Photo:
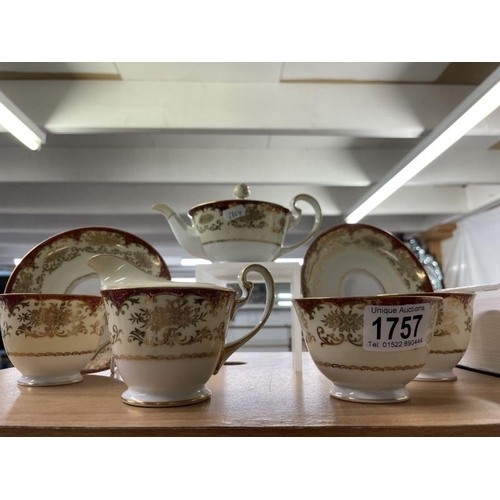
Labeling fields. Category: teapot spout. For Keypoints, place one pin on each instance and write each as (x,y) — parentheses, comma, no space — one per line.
(115,272)
(187,236)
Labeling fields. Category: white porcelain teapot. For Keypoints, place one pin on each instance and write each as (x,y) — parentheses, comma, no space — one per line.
(240,230)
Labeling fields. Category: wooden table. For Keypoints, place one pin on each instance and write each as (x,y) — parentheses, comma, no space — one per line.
(263,396)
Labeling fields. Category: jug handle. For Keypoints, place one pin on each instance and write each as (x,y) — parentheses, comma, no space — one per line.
(318,217)
(246,288)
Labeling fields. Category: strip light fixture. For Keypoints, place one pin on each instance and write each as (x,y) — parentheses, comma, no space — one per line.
(482,101)
(19,125)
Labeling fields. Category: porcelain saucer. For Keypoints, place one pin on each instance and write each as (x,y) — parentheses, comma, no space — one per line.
(357,260)
(59,265)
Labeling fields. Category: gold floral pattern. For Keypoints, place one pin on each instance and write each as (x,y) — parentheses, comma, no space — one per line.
(253,218)
(175,317)
(40,317)
(448,322)
(280,225)
(344,322)
(212,226)
(340,324)
(342,317)
(46,258)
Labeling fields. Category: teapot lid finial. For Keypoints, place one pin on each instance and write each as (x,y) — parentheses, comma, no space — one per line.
(241,191)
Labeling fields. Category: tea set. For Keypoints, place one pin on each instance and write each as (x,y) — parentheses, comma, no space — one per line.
(370,318)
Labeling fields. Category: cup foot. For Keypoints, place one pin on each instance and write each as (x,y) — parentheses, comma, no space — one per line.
(32,381)
(396,395)
(139,398)
(446,376)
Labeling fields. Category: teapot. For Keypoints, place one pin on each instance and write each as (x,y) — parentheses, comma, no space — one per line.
(240,230)
(169,338)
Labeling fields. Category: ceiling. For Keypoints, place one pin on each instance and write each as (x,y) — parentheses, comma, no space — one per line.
(122,136)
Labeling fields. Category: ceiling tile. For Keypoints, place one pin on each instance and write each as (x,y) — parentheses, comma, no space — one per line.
(309,142)
(467,73)
(131,140)
(7,139)
(59,67)
(364,71)
(335,142)
(476,142)
(251,72)
(209,141)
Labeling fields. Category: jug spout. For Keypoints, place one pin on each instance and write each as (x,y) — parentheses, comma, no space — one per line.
(115,272)
(186,235)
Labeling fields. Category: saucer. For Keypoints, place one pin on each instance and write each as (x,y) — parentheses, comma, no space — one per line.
(442,376)
(357,260)
(59,265)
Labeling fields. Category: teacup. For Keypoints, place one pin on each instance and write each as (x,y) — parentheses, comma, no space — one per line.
(451,336)
(369,347)
(167,338)
(50,338)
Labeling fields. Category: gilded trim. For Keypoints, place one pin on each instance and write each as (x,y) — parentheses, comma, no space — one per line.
(44,354)
(225,204)
(167,357)
(125,296)
(48,256)
(166,404)
(454,351)
(245,240)
(14,300)
(370,368)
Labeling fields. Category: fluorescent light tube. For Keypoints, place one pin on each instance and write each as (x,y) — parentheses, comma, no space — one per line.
(290,260)
(19,125)
(472,110)
(194,262)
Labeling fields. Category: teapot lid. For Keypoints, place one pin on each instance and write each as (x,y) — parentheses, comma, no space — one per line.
(240,193)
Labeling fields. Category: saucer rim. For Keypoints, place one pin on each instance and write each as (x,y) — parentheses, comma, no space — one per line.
(305,287)
(73,234)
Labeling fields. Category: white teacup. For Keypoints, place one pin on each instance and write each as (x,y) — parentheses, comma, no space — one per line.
(170,338)
(50,338)
(369,347)
(451,336)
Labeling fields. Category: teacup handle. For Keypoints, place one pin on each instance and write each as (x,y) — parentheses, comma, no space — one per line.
(318,217)
(246,289)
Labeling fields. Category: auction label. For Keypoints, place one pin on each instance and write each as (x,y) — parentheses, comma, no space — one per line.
(234,212)
(395,328)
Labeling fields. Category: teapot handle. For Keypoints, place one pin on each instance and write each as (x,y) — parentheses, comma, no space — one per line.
(318,217)
(246,288)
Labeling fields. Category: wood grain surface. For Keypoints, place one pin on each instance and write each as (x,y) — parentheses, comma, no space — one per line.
(259,395)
